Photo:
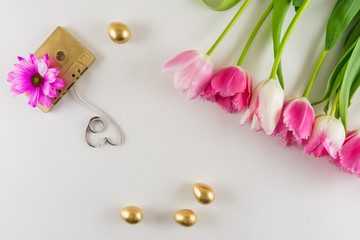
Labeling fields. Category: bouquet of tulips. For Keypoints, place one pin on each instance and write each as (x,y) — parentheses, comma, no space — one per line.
(292,120)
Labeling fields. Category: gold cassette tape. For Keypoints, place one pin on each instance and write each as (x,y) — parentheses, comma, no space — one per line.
(69,56)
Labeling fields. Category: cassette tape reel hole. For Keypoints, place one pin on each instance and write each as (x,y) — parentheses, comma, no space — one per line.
(60,56)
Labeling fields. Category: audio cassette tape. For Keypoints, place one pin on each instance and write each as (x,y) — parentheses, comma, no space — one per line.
(69,56)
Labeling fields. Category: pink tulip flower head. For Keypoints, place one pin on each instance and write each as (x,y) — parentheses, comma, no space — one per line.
(327,137)
(349,154)
(230,88)
(265,106)
(296,122)
(192,72)
(35,78)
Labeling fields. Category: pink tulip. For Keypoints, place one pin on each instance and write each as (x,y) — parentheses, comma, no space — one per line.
(296,122)
(192,72)
(327,137)
(230,88)
(265,106)
(349,154)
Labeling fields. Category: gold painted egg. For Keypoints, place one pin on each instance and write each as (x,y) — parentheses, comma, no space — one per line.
(119,32)
(203,193)
(185,218)
(131,215)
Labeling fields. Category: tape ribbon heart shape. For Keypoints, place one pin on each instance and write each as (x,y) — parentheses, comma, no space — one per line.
(91,130)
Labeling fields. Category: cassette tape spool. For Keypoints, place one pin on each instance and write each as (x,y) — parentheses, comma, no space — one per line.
(69,56)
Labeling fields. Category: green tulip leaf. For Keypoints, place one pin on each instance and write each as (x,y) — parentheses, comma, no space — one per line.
(354,87)
(221,5)
(351,75)
(342,14)
(297,4)
(333,82)
(279,12)
(338,80)
(352,36)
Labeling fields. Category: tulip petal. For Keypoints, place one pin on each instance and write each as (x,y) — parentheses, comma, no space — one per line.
(183,79)
(350,153)
(181,61)
(335,134)
(255,124)
(209,94)
(328,134)
(299,117)
(270,102)
(320,151)
(317,135)
(201,80)
(229,89)
(226,104)
(229,81)
(246,96)
(248,114)
(240,101)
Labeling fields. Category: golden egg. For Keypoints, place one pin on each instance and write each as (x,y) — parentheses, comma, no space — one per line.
(119,32)
(131,215)
(185,218)
(203,193)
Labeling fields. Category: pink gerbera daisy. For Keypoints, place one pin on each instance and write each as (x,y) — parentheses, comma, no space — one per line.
(35,78)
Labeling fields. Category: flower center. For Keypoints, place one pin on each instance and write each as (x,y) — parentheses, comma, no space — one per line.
(37,80)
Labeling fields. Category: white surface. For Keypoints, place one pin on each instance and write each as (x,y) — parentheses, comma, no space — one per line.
(53,186)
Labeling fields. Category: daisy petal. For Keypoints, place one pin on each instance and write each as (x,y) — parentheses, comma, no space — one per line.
(33,97)
(45,100)
(27,66)
(42,68)
(45,88)
(58,83)
(46,60)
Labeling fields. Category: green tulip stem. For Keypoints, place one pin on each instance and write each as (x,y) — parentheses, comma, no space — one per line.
(254,32)
(229,26)
(315,73)
(286,37)
(335,104)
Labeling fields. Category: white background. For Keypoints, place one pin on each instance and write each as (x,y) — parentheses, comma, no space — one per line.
(54,186)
